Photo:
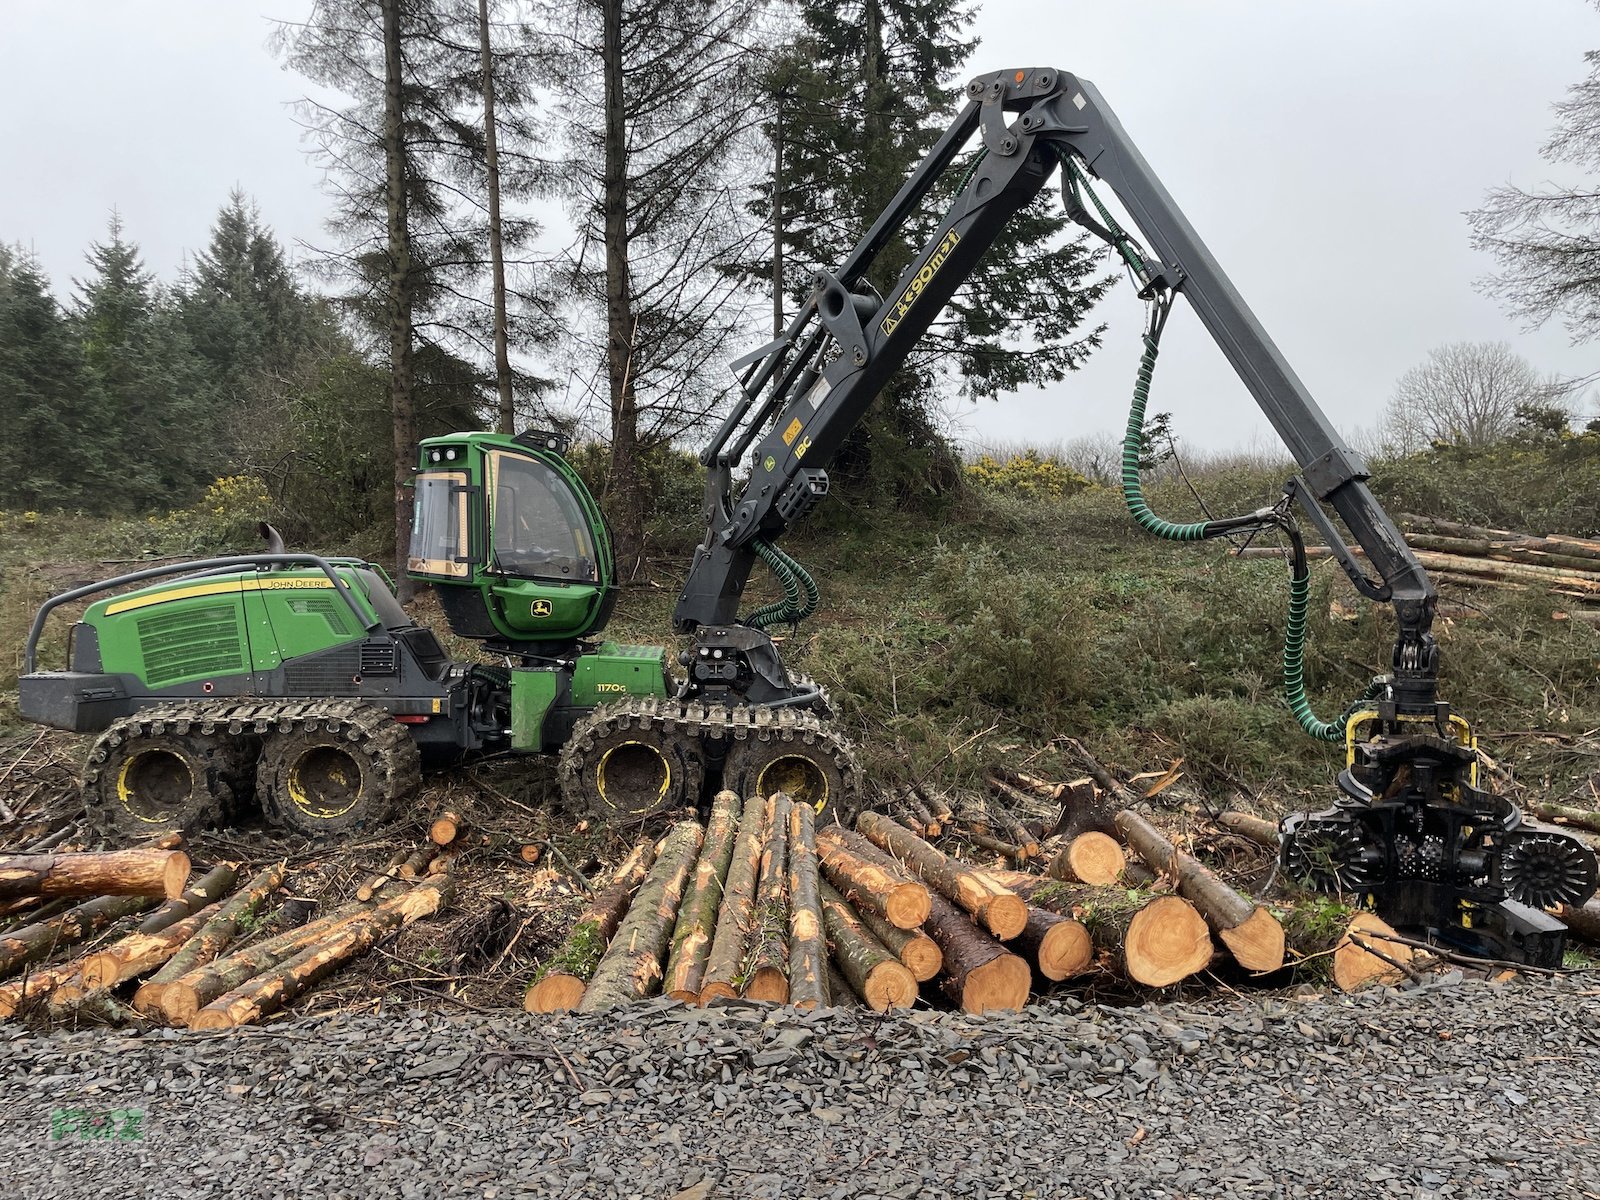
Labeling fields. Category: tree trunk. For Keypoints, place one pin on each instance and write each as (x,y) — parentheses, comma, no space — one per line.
(808,948)
(1251,933)
(208,889)
(491,163)
(697,916)
(1259,831)
(875,974)
(1562,814)
(726,961)
(1058,947)
(402,403)
(213,937)
(868,884)
(631,967)
(1001,913)
(1157,942)
(980,973)
(1363,956)
(768,974)
(268,992)
(41,939)
(561,980)
(626,507)
(446,828)
(1090,857)
(1583,921)
(919,952)
(111,873)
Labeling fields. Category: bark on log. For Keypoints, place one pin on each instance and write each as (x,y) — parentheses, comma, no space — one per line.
(266,993)
(1250,932)
(725,964)
(840,993)
(632,966)
(1354,963)
(1009,851)
(1001,913)
(808,949)
(446,828)
(42,938)
(1091,857)
(919,952)
(1563,814)
(932,826)
(416,867)
(1584,921)
(371,885)
(213,937)
(868,883)
(697,916)
(1010,826)
(875,974)
(979,973)
(561,980)
(1058,947)
(937,804)
(1260,831)
(162,873)
(766,977)
(207,890)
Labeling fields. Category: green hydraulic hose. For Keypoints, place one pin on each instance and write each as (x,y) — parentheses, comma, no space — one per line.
(1132,449)
(778,612)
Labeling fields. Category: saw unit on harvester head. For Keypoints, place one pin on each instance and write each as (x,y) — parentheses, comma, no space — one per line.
(300,681)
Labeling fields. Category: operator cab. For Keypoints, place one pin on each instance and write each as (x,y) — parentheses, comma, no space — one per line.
(512,540)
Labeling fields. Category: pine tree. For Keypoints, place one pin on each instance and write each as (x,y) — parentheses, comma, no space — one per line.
(43,406)
(863,93)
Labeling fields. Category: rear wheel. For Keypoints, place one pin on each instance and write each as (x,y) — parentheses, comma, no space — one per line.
(784,750)
(337,773)
(632,760)
(140,782)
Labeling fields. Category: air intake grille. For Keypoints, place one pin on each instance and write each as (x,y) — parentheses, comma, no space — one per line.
(330,608)
(190,643)
(378,658)
(332,673)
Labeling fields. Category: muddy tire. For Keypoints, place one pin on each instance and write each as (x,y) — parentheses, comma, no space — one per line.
(786,750)
(143,779)
(633,760)
(336,773)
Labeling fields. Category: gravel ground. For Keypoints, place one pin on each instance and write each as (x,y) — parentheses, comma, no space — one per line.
(1452,1089)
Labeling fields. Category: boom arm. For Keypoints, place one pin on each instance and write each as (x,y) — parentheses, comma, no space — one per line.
(809,389)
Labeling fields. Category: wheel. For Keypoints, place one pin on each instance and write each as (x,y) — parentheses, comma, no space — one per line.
(632,760)
(784,750)
(139,782)
(337,774)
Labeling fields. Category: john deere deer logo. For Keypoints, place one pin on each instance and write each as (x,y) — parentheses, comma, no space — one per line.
(541,608)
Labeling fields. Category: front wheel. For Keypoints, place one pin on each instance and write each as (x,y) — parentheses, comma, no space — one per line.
(632,760)
(336,774)
(144,779)
(785,750)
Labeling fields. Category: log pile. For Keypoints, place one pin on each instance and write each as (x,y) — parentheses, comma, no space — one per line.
(152,944)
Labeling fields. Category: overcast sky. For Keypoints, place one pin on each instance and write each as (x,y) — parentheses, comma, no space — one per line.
(1325,151)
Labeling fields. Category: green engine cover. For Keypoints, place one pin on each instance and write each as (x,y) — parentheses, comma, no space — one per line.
(614,671)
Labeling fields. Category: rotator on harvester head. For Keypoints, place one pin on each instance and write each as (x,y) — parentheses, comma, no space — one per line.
(292,676)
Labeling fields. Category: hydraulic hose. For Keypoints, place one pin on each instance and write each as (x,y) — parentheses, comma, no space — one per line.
(800,592)
(1133,450)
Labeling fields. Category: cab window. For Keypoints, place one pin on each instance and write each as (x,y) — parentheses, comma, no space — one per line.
(540,530)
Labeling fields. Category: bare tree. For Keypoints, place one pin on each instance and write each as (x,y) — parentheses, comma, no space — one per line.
(1466,394)
(1547,241)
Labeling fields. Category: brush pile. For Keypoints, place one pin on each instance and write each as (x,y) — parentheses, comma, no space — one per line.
(85,935)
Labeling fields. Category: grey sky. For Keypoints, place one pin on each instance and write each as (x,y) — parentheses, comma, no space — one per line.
(1326,152)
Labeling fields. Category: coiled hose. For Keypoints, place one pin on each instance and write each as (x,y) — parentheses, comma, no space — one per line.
(800,592)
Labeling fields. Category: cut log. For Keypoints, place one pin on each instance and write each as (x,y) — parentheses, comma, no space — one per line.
(41,939)
(869,884)
(1010,826)
(212,938)
(914,804)
(697,915)
(531,853)
(1363,956)
(840,993)
(271,990)
(767,975)
(876,975)
(1090,857)
(416,866)
(1261,832)
(1058,947)
(1011,852)
(207,890)
(919,952)
(1157,942)
(980,973)
(1583,921)
(370,886)
(996,909)
(808,947)
(1250,932)
(162,873)
(561,980)
(1564,814)
(446,828)
(725,964)
(631,968)
(935,802)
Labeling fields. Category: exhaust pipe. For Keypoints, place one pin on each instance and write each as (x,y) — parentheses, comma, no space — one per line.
(273,538)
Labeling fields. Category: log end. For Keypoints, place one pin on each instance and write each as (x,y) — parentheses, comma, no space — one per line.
(1005,916)
(211,1018)
(99,971)
(906,906)
(445,829)
(556,992)
(1256,944)
(1167,941)
(1091,857)
(1065,950)
(1000,983)
(922,957)
(147,1000)
(718,991)
(768,983)
(175,875)
(890,985)
(1354,967)
(177,1003)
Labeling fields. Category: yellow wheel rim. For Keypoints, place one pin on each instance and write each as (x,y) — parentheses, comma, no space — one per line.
(324,782)
(639,761)
(145,776)
(799,776)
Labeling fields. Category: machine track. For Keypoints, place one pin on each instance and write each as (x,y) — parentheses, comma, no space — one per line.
(319,767)
(637,758)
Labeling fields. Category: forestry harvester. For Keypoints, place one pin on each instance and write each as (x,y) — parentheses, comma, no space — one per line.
(300,679)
